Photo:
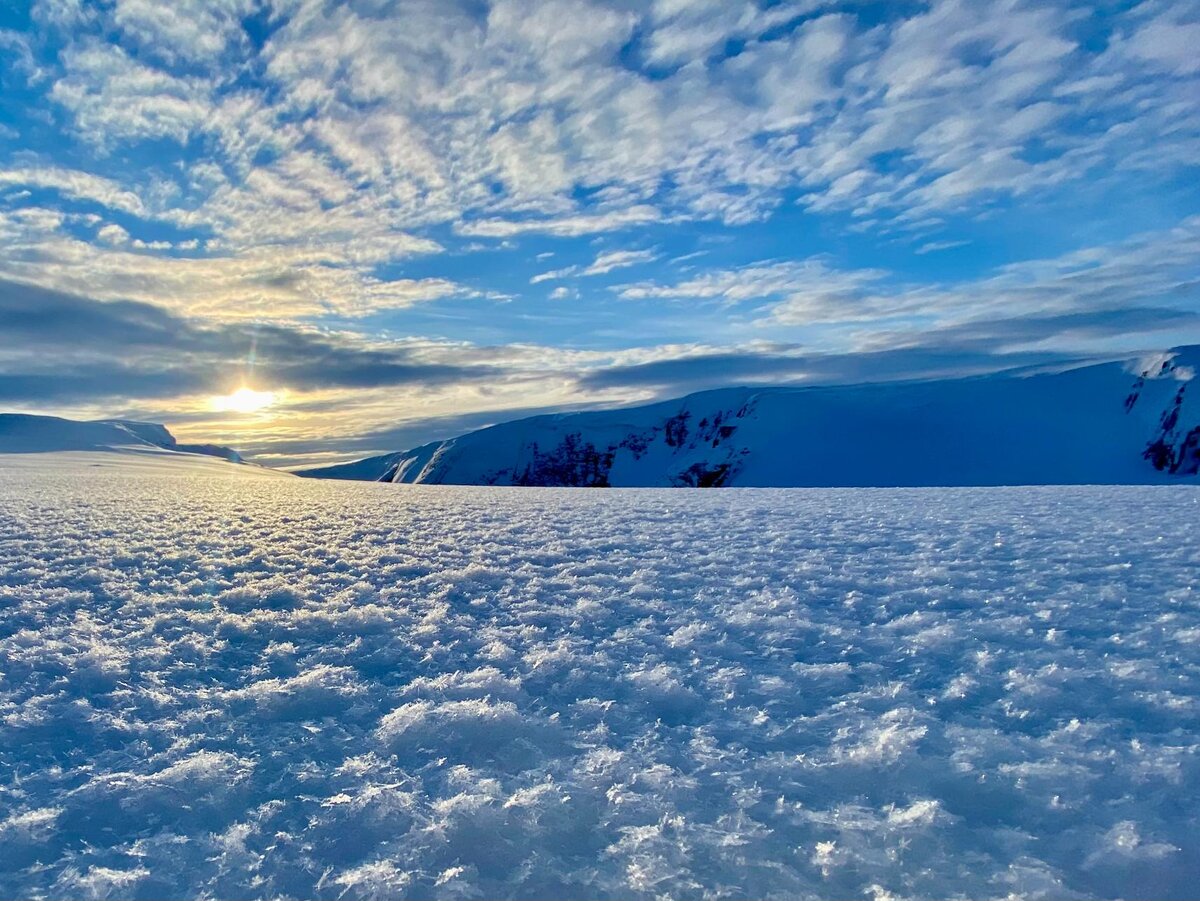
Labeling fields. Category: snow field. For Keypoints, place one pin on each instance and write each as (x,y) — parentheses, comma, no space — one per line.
(262,687)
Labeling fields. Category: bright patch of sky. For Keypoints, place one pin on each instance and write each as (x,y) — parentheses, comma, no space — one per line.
(451,211)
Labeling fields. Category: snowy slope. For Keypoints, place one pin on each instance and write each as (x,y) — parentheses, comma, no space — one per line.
(1111,423)
(22,433)
(293,689)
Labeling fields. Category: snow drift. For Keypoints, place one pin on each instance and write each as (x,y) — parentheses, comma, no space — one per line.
(1124,422)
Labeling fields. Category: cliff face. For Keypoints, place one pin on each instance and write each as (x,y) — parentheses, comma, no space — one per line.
(1175,447)
(1118,422)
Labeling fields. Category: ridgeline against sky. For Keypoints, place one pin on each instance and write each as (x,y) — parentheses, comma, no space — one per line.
(352,227)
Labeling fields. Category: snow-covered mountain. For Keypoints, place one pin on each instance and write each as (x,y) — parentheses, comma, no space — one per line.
(1122,422)
(22,433)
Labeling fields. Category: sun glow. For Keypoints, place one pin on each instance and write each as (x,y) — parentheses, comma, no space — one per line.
(244,400)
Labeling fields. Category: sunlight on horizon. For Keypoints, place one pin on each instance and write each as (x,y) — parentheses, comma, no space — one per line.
(243,400)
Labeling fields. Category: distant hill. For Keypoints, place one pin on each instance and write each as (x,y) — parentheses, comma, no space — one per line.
(22,433)
(1123,422)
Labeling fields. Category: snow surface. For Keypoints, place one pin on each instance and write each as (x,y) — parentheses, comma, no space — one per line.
(131,461)
(1125,422)
(227,684)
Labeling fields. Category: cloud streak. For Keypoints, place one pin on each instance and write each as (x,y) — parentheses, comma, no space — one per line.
(606,262)
(1146,271)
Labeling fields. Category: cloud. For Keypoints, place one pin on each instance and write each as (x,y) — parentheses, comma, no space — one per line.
(604,263)
(1150,270)
(684,32)
(954,351)
(82,357)
(403,433)
(510,118)
(113,98)
(811,284)
(619,259)
(283,281)
(935,246)
(283,162)
(364,125)
(1166,41)
(553,275)
(76,185)
(22,64)
(563,226)
(69,348)
(1147,270)
(192,31)
(112,234)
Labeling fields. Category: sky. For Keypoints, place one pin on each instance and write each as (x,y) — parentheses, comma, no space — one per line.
(397,221)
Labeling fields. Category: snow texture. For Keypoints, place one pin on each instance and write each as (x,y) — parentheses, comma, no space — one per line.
(1124,422)
(222,683)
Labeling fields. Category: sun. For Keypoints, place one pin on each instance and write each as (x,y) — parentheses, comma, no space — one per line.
(244,400)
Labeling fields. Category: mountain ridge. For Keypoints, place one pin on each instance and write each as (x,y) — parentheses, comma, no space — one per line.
(1129,420)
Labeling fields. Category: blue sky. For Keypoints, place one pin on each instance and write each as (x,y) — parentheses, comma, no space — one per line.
(407,218)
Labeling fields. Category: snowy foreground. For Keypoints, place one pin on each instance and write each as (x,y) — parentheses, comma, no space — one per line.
(239,685)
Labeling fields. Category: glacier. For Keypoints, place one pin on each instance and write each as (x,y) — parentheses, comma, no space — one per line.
(1134,421)
(216,681)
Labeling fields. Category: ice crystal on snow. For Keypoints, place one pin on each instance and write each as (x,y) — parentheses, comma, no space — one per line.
(261,687)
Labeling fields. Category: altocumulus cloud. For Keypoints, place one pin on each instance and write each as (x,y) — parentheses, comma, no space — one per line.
(339,194)
(569,118)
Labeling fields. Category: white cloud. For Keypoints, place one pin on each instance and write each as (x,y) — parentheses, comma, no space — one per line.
(112,234)
(417,113)
(268,282)
(935,246)
(196,31)
(357,127)
(563,226)
(553,275)
(76,185)
(810,283)
(619,259)
(112,97)
(1167,41)
(604,263)
(686,31)
(1150,269)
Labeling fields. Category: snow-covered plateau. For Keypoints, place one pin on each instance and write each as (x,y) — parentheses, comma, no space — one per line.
(220,682)
(23,433)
